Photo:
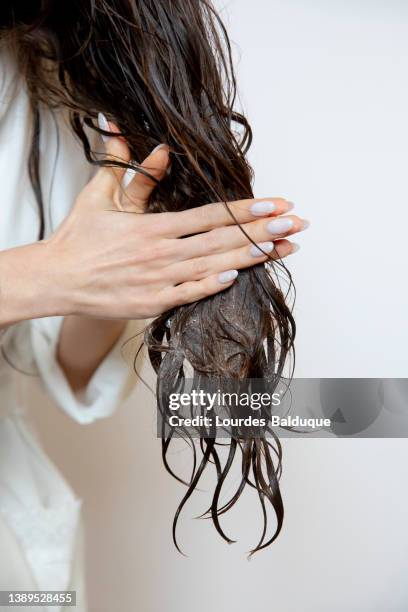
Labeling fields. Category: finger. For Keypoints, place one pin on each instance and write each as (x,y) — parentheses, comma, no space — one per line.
(189,292)
(210,216)
(138,186)
(116,150)
(283,248)
(244,257)
(225,239)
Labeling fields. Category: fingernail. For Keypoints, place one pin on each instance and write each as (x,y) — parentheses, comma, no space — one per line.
(228,276)
(262,208)
(279,226)
(306,224)
(128,177)
(160,146)
(295,247)
(290,206)
(103,125)
(267,247)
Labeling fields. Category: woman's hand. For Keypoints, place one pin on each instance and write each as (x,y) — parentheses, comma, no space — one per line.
(111,261)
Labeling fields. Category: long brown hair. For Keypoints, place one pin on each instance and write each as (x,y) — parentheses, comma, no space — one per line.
(161,70)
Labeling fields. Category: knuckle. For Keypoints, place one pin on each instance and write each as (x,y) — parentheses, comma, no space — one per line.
(148,278)
(213,241)
(159,251)
(205,214)
(161,222)
(205,288)
(184,294)
(210,214)
(200,267)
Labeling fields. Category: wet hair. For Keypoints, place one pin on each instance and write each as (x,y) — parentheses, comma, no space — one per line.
(161,70)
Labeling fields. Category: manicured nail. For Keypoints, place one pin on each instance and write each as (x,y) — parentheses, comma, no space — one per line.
(295,247)
(103,125)
(279,226)
(128,177)
(262,208)
(290,206)
(160,146)
(228,276)
(306,224)
(267,247)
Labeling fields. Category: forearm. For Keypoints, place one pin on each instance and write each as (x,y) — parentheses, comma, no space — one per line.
(30,288)
(83,344)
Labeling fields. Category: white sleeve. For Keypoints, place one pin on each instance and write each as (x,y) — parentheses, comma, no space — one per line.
(104,391)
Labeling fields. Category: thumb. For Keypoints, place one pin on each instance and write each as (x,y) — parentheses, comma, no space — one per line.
(110,177)
(138,186)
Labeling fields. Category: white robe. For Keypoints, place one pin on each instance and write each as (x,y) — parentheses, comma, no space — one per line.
(40,526)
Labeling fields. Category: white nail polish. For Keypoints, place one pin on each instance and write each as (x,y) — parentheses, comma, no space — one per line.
(260,249)
(228,276)
(290,206)
(128,177)
(262,208)
(279,226)
(103,125)
(160,146)
(306,224)
(295,247)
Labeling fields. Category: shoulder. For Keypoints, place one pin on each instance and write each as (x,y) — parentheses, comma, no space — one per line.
(10,80)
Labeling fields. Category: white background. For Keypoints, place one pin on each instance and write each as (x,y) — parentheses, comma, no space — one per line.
(325,85)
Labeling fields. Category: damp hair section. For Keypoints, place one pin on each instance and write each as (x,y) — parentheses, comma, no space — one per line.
(162,72)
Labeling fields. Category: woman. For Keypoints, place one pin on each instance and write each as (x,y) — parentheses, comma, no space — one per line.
(77,261)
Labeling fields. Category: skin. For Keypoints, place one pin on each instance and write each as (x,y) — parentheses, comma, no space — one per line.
(108,263)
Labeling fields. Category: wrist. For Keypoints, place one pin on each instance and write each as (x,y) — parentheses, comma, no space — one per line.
(27,287)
